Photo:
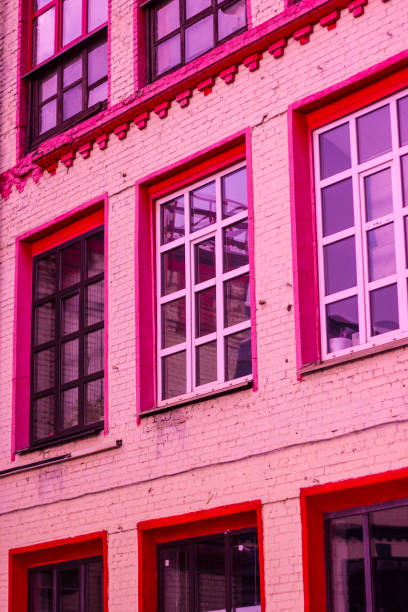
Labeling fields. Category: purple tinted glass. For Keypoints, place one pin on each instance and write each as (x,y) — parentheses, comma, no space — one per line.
(403,120)
(340,265)
(406,239)
(174,322)
(72,71)
(374,134)
(238,356)
(70,314)
(199,38)
(95,260)
(46,276)
(44,323)
(172,220)
(203,206)
(342,324)
(234,193)
(43,424)
(69,361)
(39,4)
(245,572)
(236,246)
(193,7)
(174,578)
(44,370)
(69,590)
(384,310)
(173,274)
(41,583)
(206,363)
(71,20)
(211,572)
(174,375)
(204,260)
(335,153)
(69,400)
(71,265)
(98,94)
(378,193)
(381,252)
(44,36)
(231,18)
(236,300)
(48,116)
(97,63)
(97,13)
(94,303)
(404,177)
(94,352)
(94,586)
(337,207)
(48,87)
(167,18)
(168,54)
(206,312)
(72,102)
(94,406)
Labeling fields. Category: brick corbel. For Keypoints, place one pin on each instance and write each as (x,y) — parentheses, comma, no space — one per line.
(68,159)
(228,75)
(85,150)
(277,49)
(330,20)
(122,130)
(252,61)
(141,120)
(162,110)
(357,7)
(102,141)
(183,98)
(52,168)
(206,86)
(303,35)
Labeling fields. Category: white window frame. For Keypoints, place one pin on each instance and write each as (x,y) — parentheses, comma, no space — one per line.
(358,172)
(191,343)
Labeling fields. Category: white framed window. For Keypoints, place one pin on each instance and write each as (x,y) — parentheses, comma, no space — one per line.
(203,288)
(361,178)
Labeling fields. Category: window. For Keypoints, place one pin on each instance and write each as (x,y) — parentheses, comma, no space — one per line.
(362,225)
(203,311)
(67,342)
(68,75)
(181,30)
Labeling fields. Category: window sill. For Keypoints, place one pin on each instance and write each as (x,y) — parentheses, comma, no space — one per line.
(63,439)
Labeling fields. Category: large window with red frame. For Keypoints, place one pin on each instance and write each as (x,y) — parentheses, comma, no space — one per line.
(68,75)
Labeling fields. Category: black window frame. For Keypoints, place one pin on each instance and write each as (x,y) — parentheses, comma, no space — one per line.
(81,429)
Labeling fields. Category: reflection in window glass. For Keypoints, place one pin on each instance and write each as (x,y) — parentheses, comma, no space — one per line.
(335,155)
(71,25)
(384,310)
(342,324)
(97,13)
(168,54)
(231,18)
(337,207)
(199,38)
(340,265)
(167,18)
(374,134)
(44,36)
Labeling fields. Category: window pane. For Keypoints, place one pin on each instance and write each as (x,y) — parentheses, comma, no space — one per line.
(98,94)
(173,271)
(44,36)
(72,71)
(236,246)
(97,13)
(44,323)
(48,87)
(94,352)
(39,4)
(174,579)
(168,54)
(337,207)
(94,586)
(403,120)
(69,590)
(72,102)
(174,323)
(231,18)
(245,573)
(94,406)
(340,265)
(406,240)
(94,303)
(71,20)
(404,173)
(378,192)
(374,134)
(381,252)
(238,356)
(95,255)
(41,591)
(236,300)
(199,38)
(69,401)
(71,265)
(46,276)
(384,310)
(48,116)
(342,324)
(204,254)
(211,575)
(174,375)
(206,363)
(69,361)
(193,7)
(167,18)
(203,206)
(172,220)
(234,193)
(44,370)
(335,153)
(97,63)
(206,312)
(43,423)
(70,314)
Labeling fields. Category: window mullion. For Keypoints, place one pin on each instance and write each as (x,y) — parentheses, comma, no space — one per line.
(182,13)
(81,337)
(55,598)
(190,298)
(219,259)
(58,25)
(58,349)
(82,586)
(367,564)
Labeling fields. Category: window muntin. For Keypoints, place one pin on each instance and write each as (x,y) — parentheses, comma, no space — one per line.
(203,317)
(67,350)
(361,178)
(182,30)
(216,572)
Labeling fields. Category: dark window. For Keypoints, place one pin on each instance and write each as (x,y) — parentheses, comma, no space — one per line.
(217,572)
(67,356)
(181,30)
(75,586)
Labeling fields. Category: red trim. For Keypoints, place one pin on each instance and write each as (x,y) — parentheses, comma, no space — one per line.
(190,525)
(56,551)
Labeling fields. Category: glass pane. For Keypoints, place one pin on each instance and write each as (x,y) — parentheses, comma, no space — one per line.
(342,324)
(173,270)
(237,302)
(167,18)
(95,255)
(384,310)
(234,193)
(43,419)
(71,20)
(337,207)
(346,559)
(48,87)
(168,54)
(94,586)
(406,239)
(69,401)
(206,312)
(46,276)
(94,406)
(203,206)
(174,322)
(44,323)
(340,265)
(211,575)
(48,116)
(97,63)
(204,254)
(71,265)
(238,356)
(72,102)
(174,375)
(374,134)
(69,361)
(44,36)
(403,120)
(378,192)
(98,94)
(174,579)
(97,13)
(245,573)
(70,314)
(335,155)
(404,173)
(39,4)
(44,370)
(172,220)
(193,7)
(69,590)
(199,38)
(94,352)
(94,303)
(206,363)
(72,71)
(381,252)
(236,246)
(231,18)
(41,590)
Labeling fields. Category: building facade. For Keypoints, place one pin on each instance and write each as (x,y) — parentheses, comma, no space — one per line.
(204,309)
